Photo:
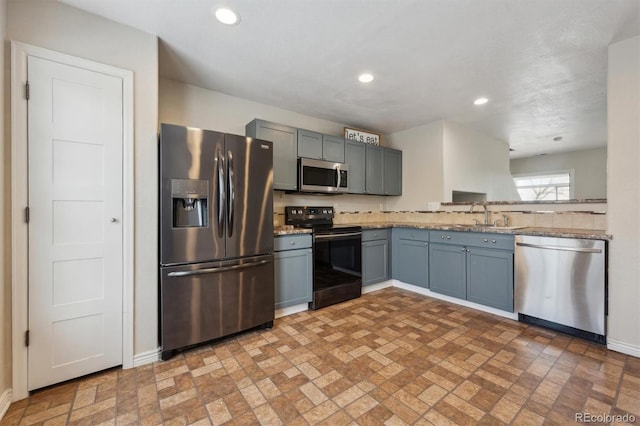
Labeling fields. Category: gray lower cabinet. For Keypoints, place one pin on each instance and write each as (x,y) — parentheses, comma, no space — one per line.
(410,256)
(490,277)
(375,256)
(354,156)
(447,269)
(473,266)
(293,270)
(285,151)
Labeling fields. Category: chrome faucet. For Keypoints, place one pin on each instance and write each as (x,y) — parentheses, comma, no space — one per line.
(486,211)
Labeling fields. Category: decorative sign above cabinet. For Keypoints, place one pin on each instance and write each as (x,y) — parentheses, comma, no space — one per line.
(361,136)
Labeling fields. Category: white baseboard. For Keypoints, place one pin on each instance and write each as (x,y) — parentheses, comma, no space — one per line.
(378,286)
(146,357)
(622,347)
(455,300)
(283,312)
(5,402)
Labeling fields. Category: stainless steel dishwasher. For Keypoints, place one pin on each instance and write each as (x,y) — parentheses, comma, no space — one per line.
(560,283)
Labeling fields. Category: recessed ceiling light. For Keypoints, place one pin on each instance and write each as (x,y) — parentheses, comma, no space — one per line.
(365,78)
(557,138)
(227,16)
(480,101)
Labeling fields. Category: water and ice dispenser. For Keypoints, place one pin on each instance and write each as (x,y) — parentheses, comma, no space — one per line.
(190,203)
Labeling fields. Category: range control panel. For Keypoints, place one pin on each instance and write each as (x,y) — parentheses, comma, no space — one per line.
(300,215)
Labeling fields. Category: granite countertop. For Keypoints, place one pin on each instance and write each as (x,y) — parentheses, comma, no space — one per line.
(591,234)
(512,230)
(289,230)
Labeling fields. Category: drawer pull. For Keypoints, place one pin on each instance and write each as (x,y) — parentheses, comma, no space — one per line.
(293,243)
(493,241)
(448,237)
(442,236)
(486,240)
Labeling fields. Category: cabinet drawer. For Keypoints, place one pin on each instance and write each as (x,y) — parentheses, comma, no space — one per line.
(474,239)
(412,234)
(291,242)
(375,234)
(488,240)
(449,237)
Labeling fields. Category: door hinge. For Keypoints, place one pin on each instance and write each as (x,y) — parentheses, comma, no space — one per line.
(27,214)
(26,90)
(26,338)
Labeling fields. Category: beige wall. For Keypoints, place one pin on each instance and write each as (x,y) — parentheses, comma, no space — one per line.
(623,194)
(5,232)
(590,169)
(474,162)
(55,26)
(444,156)
(422,166)
(190,105)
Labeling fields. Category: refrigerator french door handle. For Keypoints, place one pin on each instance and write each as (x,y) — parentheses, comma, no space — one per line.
(232,194)
(217,270)
(221,194)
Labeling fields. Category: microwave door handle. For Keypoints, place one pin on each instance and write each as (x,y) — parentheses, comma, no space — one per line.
(339,177)
(232,194)
(221,194)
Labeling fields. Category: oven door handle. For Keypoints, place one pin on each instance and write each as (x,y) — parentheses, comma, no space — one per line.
(336,236)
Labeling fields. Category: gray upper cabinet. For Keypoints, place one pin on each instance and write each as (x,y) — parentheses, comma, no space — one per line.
(309,144)
(333,148)
(410,256)
(354,156)
(321,147)
(392,172)
(374,170)
(285,151)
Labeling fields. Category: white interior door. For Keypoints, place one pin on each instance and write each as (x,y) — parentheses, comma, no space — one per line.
(75,133)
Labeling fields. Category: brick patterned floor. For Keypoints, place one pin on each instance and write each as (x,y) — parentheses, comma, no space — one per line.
(390,357)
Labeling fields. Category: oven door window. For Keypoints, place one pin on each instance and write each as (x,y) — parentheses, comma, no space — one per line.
(337,260)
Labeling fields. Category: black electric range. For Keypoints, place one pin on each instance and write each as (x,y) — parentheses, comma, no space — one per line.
(337,255)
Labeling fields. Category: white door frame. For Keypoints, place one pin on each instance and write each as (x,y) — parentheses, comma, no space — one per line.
(20,198)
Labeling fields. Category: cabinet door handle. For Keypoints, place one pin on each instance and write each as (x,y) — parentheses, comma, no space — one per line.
(464,249)
(442,236)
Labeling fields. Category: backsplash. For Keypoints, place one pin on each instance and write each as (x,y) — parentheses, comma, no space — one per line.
(591,220)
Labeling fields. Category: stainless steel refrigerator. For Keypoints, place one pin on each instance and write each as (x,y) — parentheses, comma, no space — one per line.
(216,235)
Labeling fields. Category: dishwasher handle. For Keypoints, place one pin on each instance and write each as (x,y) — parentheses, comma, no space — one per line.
(561,248)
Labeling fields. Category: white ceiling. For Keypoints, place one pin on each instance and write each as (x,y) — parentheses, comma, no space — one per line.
(542,63)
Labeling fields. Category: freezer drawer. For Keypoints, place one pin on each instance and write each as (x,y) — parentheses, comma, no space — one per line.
(210,300)
(562,281)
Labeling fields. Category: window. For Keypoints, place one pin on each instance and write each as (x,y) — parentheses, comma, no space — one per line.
(544,187)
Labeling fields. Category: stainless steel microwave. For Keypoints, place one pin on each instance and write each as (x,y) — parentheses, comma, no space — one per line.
(322,176)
